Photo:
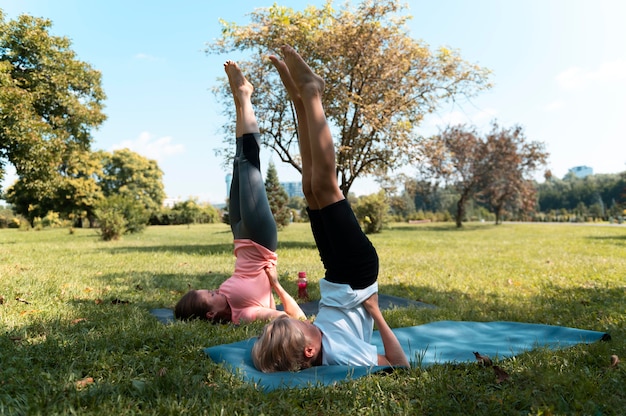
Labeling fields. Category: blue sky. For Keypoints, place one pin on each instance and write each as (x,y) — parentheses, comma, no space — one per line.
(559,70)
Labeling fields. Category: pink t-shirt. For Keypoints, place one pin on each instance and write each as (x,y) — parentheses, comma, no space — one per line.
(248,289)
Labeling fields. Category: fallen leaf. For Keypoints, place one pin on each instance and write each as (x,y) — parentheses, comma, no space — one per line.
(88,289)
(483,359)
(501,375)
(138,287)
(29,312)
(162,371)
(614,361)
(117,301)
(1,300)
(77,320)
(98,301)
(80,384)
(22,300)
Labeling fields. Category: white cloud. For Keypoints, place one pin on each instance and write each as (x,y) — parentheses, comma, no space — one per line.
(145,57)
(578,78)
(456,117)
(554,105)
(147,146)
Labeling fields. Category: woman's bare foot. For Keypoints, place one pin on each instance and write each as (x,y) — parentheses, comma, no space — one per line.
(285,77)
(239,85)
(304,78)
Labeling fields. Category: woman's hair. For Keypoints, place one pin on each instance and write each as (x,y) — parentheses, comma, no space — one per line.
(280,347)
(190,306)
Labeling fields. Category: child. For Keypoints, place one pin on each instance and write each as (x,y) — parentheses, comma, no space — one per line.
(247,295)
(349,291)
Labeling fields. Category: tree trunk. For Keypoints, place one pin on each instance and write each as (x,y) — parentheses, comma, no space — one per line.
(460,211)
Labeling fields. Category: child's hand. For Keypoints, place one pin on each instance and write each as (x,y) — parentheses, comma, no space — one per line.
(272,275)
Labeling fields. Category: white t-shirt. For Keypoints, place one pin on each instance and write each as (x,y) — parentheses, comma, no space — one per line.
(346,325)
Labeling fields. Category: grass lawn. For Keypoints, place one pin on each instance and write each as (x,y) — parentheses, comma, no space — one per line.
(76,336)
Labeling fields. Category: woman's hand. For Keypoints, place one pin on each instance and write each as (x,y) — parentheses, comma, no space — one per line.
(272,275)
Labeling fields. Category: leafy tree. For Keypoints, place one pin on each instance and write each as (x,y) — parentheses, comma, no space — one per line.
(74,191)
(49,102)
(187,212)
(371,211)
(127,173)
(277,197)
(380,82)
(509,161)
(495,169)
(298,205)
(454,157)
(120,214)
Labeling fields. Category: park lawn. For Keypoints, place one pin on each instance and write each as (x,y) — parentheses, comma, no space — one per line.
(77,336)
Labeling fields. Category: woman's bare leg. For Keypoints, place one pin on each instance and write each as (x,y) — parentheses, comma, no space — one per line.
(242,92)
(324,186)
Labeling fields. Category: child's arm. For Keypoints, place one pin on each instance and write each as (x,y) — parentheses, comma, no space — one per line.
(289,303)
(394,355)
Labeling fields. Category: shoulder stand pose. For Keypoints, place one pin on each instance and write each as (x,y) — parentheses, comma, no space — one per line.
(246,295)
(349,290)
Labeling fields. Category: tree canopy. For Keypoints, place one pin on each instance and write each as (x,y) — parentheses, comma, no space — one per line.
(49,101)
(380,82)
(495,169)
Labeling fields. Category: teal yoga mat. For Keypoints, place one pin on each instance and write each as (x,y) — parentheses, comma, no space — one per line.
(436,342)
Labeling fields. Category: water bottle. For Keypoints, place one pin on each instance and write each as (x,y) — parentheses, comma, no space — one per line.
(303,293)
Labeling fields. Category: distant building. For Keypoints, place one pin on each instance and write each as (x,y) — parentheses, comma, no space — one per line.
(581,171)
(293,189)
(170,202)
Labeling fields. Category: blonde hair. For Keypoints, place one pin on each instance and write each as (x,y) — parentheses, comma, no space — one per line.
(280,347)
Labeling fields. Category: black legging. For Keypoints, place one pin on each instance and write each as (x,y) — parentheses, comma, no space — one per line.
(347,254)
(249,209)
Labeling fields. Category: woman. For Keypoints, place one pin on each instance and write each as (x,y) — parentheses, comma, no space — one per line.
(349,307)
(247,295)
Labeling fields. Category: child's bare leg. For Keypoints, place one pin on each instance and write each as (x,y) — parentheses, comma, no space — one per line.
(303,129)
(242,92)
(311,86)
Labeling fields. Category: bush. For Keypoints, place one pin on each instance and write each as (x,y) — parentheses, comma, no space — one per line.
(371,211)
(118,215)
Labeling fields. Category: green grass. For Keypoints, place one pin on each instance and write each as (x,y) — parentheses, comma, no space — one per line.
(83,314)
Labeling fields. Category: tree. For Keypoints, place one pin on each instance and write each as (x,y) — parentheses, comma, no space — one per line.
(84,178)
(454,157)
(380,82)
(127,173)
(509,162)
(277,197)
(494,169)
(120,214)
(74,191)
(49,102)
(372,211)
(187,212)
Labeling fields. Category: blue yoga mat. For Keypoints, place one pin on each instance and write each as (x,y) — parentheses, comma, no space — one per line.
(436,342)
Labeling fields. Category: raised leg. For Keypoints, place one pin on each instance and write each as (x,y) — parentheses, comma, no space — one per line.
(249,210)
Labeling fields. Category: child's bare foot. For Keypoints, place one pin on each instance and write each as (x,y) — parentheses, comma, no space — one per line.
(285,77)
(304,78)
(239,85)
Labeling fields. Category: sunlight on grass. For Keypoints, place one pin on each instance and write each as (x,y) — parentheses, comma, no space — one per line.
(77,335)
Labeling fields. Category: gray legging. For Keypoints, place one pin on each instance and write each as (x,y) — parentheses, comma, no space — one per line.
(249,209)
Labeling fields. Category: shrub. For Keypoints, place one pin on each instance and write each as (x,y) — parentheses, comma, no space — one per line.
(118,215)
(371,211)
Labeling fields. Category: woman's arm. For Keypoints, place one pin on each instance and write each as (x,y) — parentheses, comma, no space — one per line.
(394,355)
